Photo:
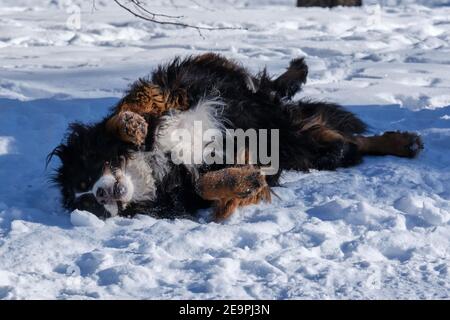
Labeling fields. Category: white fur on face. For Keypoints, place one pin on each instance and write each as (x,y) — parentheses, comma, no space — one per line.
(108,181)
(105,182)
(137,178)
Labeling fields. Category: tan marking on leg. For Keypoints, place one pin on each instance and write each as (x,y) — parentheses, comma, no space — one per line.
(320,132)
(230,183)
(400,144)
(224,209)
(231,188)
(326,135)
(150,99)
(128,127)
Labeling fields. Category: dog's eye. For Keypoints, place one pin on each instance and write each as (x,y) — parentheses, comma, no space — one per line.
(83,185)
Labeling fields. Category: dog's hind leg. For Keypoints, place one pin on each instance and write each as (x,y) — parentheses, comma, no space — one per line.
(333,116)
(335,149)
(400,144)
(292,80)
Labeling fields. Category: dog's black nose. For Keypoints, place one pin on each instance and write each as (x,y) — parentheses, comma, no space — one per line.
(101,193)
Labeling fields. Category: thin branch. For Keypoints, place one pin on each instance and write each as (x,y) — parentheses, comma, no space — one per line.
(138,4)
(154,18)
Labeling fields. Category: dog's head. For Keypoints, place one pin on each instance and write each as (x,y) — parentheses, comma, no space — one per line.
(92,175)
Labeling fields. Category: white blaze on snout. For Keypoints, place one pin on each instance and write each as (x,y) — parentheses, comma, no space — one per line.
(108,181)
(137,179)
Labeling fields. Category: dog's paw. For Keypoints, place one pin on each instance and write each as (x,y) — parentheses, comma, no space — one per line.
(132,127)
(250,184)
(405,144)
(231,183)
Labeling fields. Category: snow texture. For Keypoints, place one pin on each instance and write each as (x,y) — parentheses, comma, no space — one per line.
(379,230)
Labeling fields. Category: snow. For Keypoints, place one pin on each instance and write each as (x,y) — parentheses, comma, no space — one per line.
(80,218)
(379,230)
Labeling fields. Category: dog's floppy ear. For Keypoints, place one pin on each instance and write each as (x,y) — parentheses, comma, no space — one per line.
(58,151)
(73,135)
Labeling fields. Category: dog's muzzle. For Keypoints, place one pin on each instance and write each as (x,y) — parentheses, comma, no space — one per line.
(105,194)
(113,186)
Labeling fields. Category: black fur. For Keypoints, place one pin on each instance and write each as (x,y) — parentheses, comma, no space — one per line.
(290,82)
(86,149)
(252,101)
(83,154)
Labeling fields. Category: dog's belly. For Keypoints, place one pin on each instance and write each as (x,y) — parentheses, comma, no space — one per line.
(188,131)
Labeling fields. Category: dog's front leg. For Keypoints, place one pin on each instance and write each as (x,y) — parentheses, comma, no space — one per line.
(231,188)
(129,127)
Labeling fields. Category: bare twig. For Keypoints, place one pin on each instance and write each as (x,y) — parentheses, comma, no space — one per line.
(138,4)
(142,13)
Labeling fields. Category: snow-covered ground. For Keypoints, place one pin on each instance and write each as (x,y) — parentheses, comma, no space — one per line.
(380,230)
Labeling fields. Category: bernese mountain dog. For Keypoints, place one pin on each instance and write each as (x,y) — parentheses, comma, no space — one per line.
(126,164)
